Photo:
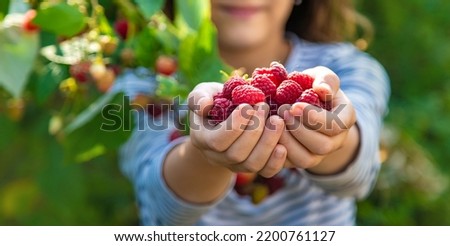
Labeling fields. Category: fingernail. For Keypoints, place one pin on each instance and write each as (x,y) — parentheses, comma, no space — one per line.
(325,86)
(287,116)
(279,153)
(296,109)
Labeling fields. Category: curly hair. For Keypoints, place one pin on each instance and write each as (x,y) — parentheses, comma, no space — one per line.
(329,21)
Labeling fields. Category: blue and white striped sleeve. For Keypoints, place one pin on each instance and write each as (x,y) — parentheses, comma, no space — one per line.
(366,84)
(142,156)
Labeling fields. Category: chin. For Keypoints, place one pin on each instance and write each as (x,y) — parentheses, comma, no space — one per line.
(241,40)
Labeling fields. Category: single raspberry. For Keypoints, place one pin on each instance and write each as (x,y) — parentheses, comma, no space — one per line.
(218,95)
(156,109)
(28,24)
(302,79)
(221,110)
(127,57)
(259,193)
(115,67)
(175,134)
(265,85)
(81,71)
(247,94)
(232,83)
(108,44)
(326,105)
(106,82)
(274,183)
(97,70)
(244,178)
(165,65)
(311,97)
(121,27)
(288,92)
(276,72)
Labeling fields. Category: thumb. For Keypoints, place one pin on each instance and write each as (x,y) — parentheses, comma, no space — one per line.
(200,100)
(326,83)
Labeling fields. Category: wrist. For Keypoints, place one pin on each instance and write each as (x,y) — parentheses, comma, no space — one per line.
(202,161)
(192,178)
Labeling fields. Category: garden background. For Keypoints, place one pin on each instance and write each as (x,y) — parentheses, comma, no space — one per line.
(56,169)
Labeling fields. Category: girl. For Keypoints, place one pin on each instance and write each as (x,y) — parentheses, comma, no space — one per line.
(319,172)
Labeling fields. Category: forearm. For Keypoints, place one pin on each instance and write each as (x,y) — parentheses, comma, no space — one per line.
(337,161)
(192,178)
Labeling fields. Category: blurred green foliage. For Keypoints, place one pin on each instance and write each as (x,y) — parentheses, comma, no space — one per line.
(36,188)
(411,41)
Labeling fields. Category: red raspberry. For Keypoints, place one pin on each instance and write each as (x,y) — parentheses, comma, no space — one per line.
(244,178)
(311,97)
(276,72)
(247,94)
(288,92)
(232,83)
(166,65)
(302,79)
(265,85)
(221,110)
(155,109)
(326,105)
(121,27)
(28,25)
(218,95)
(175,134)
(274,183)
(81,71)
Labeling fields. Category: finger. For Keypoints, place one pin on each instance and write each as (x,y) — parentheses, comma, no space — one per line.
(220,137)
(330,123)
(275,162)
(274,127)
(326,82)
(243,146)
(288,162)
(200,100)
(316,142)
(298,155)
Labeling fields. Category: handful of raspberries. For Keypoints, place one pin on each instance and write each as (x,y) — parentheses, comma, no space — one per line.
(273,85)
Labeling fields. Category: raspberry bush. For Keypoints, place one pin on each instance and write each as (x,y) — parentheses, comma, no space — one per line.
(58,63)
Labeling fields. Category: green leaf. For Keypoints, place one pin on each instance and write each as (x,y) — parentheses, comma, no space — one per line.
(104,25)
(169,87)
(149,7)
(100,129)
(199,59)
(4,7)
(48,80)
(146,46)
(61,19)
(17,54)
(89,113)
(191,13)
(8,131)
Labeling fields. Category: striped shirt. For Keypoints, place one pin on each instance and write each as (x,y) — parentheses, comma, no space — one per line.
(306,199)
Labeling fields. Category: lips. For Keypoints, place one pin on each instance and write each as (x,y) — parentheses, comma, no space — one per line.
(242,12)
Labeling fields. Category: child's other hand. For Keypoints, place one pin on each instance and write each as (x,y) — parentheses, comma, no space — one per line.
(313,133)
(246,142)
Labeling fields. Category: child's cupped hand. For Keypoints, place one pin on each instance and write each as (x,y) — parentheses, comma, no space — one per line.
(247,141)
(312,134)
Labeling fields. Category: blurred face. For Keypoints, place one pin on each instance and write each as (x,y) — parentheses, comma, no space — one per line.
(247,23)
